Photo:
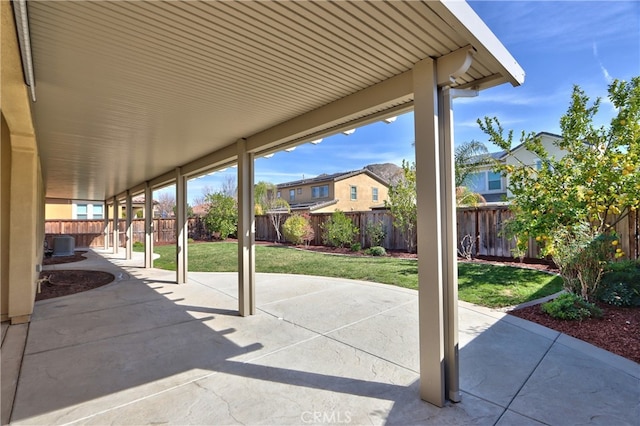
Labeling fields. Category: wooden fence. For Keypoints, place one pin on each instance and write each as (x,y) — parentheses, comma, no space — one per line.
(484,225)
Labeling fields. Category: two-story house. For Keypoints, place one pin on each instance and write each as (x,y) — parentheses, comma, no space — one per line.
(492,185)
(86,209)
(357,190)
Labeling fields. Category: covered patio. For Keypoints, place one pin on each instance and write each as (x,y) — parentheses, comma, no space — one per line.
(106,100)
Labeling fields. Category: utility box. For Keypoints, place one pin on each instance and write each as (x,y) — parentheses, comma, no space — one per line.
(64,245)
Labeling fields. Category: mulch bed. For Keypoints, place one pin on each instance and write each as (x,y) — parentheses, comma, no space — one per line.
(65,282)
(618,330)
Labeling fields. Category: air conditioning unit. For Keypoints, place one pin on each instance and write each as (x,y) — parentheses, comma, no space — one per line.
(63,245)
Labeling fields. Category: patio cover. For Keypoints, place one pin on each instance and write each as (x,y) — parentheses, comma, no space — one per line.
(133,95)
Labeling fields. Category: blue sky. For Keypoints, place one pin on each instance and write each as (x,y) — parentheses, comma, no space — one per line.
(558,43)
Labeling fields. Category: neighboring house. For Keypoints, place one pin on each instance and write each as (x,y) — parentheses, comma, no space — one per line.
(493,186)
(357,190)
(84,209)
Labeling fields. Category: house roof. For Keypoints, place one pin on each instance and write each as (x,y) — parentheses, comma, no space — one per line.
(334,177)
(312,205)
(501,155)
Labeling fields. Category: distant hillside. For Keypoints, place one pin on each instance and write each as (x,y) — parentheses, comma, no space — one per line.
(387,171)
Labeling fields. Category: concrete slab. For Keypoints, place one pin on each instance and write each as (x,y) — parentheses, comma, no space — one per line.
(13,342)
(320,350)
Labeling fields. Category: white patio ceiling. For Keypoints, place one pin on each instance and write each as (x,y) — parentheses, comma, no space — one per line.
(127,91)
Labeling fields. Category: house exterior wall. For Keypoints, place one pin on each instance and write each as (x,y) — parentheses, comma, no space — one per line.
(58,209)
(303,193)
(22,187)
(364,185)
(480,181)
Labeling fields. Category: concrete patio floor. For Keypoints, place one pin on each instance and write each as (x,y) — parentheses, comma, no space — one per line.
(143,350)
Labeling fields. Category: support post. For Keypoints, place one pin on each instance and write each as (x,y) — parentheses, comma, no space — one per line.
(106,226)
(449,246)
(116,225)
(129,227)
(246,232)
(429,226)
(182,229)
(148,226)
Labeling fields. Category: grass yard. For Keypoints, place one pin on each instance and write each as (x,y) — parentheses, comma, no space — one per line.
(482,284)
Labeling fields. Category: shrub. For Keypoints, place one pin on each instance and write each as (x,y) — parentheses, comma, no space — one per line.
(571,307)
(297,229)
(190,240)
(581,255)
(620,284)
(138,246)
(338,231)
(356,247)
(375,232)
(222,215)
(376,251)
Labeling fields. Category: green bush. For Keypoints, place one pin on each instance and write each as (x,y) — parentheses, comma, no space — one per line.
(297,229)
(222,215)
(620,284)
(138,246)
(356,247)
(569,306)
(376,251)
(581,254)
(338,231)
(376,233)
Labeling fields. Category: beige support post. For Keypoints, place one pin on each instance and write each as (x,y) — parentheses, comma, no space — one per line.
(23,219)
(106,225)
(129,227)
(182,228)
(148,226)
(430,275)
(246,232)
(449,246)
(116,225)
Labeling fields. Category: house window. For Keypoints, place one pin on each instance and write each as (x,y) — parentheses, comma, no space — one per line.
(292,195)
(320,191)
(476,182)
(354,193)
(278,195)
(98,212)
(494,181)
(81,211)
(299,191)
(374,194)
(538,164)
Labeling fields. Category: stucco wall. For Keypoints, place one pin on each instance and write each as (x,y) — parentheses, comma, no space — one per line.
(58,210)
(364,185)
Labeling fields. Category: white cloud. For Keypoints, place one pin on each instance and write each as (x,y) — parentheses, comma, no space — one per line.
(605,73)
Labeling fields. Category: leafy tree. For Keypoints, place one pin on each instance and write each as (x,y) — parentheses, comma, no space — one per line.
(468,158)
(339,230)
(596,183)
(466,197)
(402,203)
(222,215)
(267,202)
(262,192)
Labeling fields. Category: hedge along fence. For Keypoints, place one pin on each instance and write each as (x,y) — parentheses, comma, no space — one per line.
(484,224)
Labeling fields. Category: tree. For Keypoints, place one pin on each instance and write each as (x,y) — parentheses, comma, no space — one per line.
(402,203)
(262,192)
(166,204)
(267,202)
(468,158)
(580,196)
(222,215)
(229,186)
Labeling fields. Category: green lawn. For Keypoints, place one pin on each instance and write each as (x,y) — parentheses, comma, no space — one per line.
(483,284)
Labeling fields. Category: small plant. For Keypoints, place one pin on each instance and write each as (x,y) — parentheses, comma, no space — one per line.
(339,230)
(375,232)
(376,251)
(569,306)
(465,250)
(356,247)
(620,284)
(138,245)
(190,240)
(297,229)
